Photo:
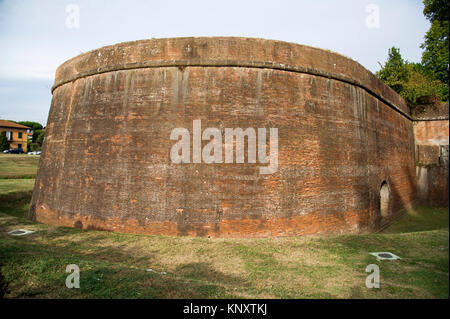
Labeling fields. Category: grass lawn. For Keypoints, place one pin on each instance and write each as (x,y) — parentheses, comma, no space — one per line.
(420,219)
(8,186)
(18,166)
(114,265)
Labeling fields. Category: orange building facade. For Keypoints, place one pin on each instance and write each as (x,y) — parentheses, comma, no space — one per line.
(16,134)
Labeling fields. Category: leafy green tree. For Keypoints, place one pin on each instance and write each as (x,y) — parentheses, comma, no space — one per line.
(411,80)
(436,10)
(435,57)
(39,137)
(422,89)
(4,144)
(33,125)
(395,71)
(428,82)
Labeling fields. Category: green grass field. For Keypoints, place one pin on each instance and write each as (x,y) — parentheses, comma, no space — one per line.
(16,166)
(114,265)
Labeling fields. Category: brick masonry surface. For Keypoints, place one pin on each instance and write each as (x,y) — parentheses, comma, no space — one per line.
(106,163)
(431,132)
(432,144)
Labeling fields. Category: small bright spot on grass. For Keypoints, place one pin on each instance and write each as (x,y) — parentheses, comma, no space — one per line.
(20,232)
(385,256)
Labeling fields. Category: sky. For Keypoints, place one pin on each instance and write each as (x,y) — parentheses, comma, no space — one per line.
(36,36)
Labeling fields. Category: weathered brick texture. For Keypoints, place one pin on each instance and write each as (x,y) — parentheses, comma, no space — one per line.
(431,133)
(105,162)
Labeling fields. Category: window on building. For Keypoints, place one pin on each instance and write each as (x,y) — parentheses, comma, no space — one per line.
(19,145)
(20,134)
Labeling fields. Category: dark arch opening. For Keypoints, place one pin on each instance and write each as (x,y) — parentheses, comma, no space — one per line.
(385,195)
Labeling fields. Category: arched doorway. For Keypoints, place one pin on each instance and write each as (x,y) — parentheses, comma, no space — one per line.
(384,199)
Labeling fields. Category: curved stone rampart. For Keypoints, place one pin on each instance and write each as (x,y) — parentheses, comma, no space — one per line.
(106,161)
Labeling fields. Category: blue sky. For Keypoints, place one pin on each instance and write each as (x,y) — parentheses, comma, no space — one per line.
(35,38)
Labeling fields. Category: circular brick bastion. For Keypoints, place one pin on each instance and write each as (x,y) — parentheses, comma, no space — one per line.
(342,141)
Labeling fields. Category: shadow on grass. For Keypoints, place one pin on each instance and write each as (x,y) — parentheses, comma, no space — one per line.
(42,274)
(34,266)
(420,219)
(16,204)
(113,267)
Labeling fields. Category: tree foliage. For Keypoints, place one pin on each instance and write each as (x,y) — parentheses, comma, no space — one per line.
(435,57)
(426,82)
(436,46)
(436,10)
(33,125)
(38,136)
(4,144)
(411,80)
(394,72)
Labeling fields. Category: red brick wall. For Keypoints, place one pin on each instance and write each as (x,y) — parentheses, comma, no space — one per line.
(432,141)
(105,162)
(432,182)
(431,132)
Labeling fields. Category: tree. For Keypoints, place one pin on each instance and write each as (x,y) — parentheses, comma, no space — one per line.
(436,10)
(411,80)
(421,89)
(394,72)
(435,57)
(33,125)
(39,137)
(428,82)
(4,144)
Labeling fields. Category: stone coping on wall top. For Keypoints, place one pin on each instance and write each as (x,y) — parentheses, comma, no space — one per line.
(227,52)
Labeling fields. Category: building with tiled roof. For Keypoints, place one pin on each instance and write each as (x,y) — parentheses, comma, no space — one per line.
(16,134)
